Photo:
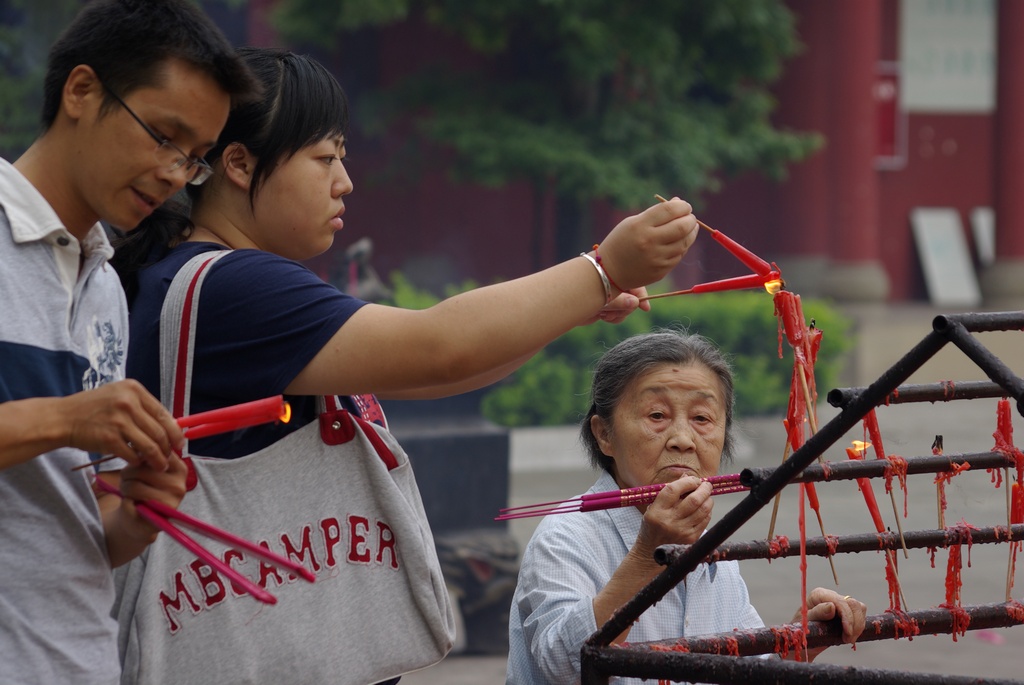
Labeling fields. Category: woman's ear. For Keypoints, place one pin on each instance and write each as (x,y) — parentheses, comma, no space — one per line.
(239,165)
(602,434)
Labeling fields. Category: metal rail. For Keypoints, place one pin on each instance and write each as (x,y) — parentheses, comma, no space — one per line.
(713,658)
(781,547)
(882,468)
(787,639)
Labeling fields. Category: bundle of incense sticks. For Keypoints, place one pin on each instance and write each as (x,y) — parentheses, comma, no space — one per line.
(161,516)
(765,274)
(224,420)
(613,499)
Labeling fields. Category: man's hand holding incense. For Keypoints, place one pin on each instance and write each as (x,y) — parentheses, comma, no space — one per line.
(127,533)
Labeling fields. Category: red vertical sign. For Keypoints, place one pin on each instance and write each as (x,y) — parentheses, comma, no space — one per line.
(890,150)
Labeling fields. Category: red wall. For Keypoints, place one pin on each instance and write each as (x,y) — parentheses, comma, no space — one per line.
(949,163)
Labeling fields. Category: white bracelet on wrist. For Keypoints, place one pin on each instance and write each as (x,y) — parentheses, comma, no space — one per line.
(604,276)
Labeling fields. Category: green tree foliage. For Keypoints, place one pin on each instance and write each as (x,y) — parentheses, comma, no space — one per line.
(27,31)
(589,98)
(552,388)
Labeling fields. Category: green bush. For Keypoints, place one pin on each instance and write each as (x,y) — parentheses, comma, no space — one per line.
(552,388)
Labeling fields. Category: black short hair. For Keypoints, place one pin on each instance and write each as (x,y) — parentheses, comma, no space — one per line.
(302,104)
(128,42)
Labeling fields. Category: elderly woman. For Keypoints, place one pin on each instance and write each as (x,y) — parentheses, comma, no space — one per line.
(661,413)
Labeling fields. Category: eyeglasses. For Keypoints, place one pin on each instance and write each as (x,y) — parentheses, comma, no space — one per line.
(196,168)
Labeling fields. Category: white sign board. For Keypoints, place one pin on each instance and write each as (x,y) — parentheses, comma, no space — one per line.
(947,51)
(983,228)
(945,259)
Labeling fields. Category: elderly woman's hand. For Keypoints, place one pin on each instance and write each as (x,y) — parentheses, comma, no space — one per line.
(678,516)
(828,605)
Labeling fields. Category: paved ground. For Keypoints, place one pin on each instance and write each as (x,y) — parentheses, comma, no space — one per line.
(546,464)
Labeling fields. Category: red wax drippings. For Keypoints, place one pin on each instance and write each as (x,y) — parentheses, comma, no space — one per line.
(777,546)
(942,479)
(893,581)
(897,467)
(1017,506)
(903,625)
(954,582)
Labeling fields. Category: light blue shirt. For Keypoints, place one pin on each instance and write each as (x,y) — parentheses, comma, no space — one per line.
(569,559)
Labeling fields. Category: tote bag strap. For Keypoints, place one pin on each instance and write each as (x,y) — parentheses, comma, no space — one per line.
(178,318)
(177,350)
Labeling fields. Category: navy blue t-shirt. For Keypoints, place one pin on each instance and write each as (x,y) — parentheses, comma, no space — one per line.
(262,318)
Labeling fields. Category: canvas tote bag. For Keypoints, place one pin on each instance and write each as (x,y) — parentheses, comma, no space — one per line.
(339,495)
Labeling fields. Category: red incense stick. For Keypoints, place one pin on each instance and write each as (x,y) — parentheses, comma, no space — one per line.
(224,420)
(763,276)
(160,515)
(612,499)
(241,415)
(735,283)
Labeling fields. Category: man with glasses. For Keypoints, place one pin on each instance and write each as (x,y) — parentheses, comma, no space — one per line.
(136,92)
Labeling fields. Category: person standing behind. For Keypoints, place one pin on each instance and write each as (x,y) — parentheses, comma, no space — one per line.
(266,324)
(135,93)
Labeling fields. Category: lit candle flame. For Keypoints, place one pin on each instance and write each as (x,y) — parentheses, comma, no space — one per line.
(774,286)
(861,446)
(286,413)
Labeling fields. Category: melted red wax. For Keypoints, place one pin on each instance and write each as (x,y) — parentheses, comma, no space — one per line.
(777,546)
(1016,610)
(961,621)
(791,318)
(931,553)
(789,638)
(948,388)
(893,581)
(1017,506)
(995,476)
(963,530)
(903,625)
(832,543)
(805,343)
(941,479)
(897,467)
(1014,547)
(1004,444)
(954,582)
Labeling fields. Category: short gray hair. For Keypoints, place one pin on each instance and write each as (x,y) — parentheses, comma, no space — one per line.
(634,357)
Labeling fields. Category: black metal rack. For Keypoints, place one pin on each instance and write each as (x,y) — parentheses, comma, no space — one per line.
(683,660)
